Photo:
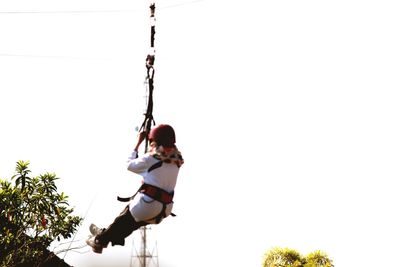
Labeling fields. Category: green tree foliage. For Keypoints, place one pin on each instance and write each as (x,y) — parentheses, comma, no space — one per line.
(282,257)
(318,259)
(286,257)
(32,215)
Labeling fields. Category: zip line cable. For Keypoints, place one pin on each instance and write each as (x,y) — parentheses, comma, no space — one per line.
(83,12)
(98,11)
(70,11)
(54,57)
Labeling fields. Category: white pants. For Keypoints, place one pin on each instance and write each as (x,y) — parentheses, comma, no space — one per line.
(144,208)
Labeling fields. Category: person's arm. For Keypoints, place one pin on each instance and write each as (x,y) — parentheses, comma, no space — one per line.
(141,137)
(134,163)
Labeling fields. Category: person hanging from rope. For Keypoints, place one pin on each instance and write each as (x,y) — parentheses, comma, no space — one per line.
(159,168)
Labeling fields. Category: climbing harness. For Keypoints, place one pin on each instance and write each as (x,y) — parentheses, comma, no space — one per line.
(157,194)
(152,191)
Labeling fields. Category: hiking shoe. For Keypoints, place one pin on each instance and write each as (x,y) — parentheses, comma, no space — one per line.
(96,246)
(94,230)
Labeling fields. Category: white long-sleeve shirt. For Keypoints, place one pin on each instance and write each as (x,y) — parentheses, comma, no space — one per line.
(164,177)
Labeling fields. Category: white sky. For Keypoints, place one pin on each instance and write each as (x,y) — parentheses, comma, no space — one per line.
(286,113)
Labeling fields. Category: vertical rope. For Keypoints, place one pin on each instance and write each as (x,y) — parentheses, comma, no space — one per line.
(149,119)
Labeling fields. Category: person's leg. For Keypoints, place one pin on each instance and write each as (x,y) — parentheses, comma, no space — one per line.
(122,227)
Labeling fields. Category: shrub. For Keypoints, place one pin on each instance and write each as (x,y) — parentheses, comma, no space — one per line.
(32,215)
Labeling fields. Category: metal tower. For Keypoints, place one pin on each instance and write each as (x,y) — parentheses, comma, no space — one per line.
(143,257)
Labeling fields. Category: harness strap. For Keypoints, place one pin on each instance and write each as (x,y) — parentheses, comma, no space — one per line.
(161,196)
(127,199)
(161,215)
(152,191)
(155,166)
(157,193)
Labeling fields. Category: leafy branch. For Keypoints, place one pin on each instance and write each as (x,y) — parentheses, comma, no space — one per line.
(32,215)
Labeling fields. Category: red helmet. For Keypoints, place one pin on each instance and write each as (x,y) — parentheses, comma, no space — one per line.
(163,135)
